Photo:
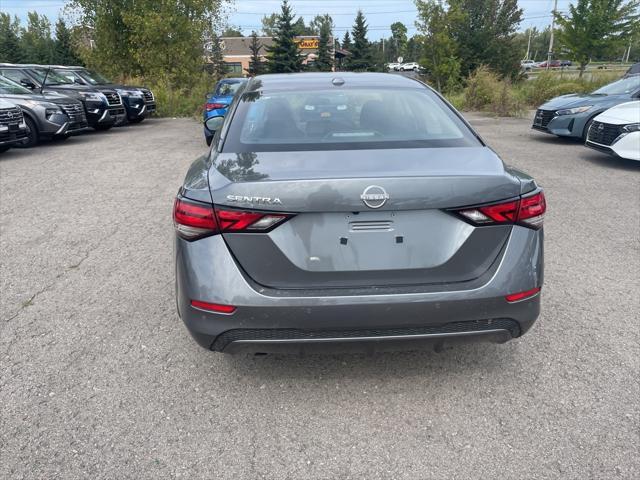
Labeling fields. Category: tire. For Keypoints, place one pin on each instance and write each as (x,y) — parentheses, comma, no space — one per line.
(137,120)
(4,148)
(102,128)
(60,138)
(32,137)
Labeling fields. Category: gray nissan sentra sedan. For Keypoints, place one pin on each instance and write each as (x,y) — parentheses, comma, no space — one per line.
(357,211)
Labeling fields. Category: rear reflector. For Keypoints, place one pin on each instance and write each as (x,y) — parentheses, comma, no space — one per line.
(194,220)
(516,297)
(527,211)
(212,307)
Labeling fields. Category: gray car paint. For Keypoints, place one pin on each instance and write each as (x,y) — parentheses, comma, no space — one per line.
(576,125)
(419,181)
(34,106)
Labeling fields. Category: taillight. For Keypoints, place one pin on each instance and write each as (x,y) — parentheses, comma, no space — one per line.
(213,307)
(527,211)
(517,297)
(194,220)
(214,106)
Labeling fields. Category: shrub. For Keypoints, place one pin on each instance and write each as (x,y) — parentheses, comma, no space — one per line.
(487,92)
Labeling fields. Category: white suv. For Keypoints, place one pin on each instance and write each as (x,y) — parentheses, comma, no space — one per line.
(405,67)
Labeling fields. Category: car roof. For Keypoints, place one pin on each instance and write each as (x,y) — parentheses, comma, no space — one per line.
(294,81)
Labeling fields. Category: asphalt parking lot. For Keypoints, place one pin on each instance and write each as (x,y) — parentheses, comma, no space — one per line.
(100,380)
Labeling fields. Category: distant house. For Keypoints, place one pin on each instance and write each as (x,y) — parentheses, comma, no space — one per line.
(237,54)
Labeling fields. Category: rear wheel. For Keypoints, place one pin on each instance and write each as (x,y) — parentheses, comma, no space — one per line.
(32,136)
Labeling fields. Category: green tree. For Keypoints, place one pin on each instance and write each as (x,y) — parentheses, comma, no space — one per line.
(231,32)
(270,25)
(284,54)
(324,61)
(218,67)
(399,37)
(597,27)
(484,31)
(10,48)
(64,51)
(360,59)
(439,49)
(346,41)
(36,42)
(256,65)
(315,26)
(159,39)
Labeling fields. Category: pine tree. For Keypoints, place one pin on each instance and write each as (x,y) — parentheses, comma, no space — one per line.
(10,50)
(284,54)
(346,42)
(360,59)
(217,58)
(64,53)
(256,66)
(324,61)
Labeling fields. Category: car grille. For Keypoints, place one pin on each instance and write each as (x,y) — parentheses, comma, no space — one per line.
(148,95)
(223,340)
(543,117)
(74,111)
(604,133)
(113,98)
(10,116)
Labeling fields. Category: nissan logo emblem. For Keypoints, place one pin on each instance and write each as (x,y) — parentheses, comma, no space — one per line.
(374,196)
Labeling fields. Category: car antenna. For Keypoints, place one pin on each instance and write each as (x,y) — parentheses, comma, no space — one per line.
(44,80)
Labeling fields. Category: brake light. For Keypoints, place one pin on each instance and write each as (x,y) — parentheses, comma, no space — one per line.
(194,220)
(527,211)
(214,106)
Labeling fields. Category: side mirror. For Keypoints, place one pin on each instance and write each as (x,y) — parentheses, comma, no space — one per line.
(27,83)
(213,124)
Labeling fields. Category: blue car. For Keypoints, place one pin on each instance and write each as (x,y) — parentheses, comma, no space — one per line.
(572,115)
(218,101)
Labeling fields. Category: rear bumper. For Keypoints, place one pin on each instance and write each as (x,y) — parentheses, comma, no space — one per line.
(286,320)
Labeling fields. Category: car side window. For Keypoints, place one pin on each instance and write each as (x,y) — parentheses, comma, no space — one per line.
(15,75)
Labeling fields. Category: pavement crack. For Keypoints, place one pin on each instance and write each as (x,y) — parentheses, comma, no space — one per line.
(73,266)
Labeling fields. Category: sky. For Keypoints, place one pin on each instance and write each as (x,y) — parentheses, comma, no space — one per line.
(380,14)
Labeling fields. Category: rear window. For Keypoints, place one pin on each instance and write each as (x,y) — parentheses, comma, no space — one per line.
(343,119)
(227,88)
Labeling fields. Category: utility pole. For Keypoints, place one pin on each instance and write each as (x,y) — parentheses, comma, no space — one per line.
(526,57)
(553,25)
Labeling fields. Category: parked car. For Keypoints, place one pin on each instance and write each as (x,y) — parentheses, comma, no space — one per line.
(407,67)
(393,66)
(394,224)
(552,64)
(528,64)
(565,63)
(139,102)
(617,131)
(13,130)
(218,101)
(571,115)
(46,116)
(633,70)
(103,107)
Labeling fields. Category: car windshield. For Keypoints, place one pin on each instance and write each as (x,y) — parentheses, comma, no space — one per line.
(52,78)
(70,75)
(93,77)
(228,89)
(358,118)
(624,86)
(8,87)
